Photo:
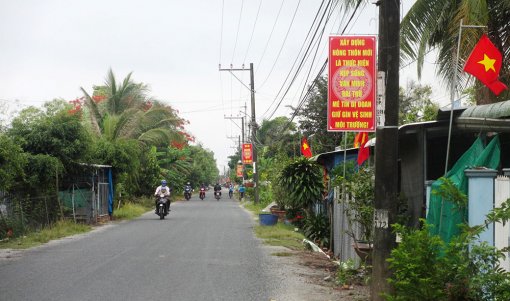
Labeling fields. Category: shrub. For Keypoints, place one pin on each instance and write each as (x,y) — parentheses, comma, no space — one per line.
(301,184)
(426,268)
(316,228)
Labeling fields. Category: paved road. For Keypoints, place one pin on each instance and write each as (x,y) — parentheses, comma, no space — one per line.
(204,250)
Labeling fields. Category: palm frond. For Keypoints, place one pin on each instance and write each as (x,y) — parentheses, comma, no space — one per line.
(95,115)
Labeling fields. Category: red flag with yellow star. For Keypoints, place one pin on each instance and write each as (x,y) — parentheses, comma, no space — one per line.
(484,63)
(363,151)
(305,148)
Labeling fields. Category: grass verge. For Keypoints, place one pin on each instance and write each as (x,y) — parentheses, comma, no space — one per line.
(277,235)
(129,211)
(55,231)
(280,235)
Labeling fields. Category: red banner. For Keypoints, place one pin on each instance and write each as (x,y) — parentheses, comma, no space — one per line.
(247,153)
(239,171)
(351,84)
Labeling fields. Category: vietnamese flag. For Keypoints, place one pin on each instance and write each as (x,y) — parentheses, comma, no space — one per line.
(305,148)
(484,63)
(363,151)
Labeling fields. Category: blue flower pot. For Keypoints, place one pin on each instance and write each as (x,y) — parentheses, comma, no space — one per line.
(268,219)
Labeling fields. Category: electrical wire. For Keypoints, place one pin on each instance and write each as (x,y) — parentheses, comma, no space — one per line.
(301,63)
(237,34)
(271,34)
(283,44)
(312,85)
(221,29)
(252,31)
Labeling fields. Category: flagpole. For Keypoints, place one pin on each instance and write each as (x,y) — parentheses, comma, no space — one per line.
(454,89)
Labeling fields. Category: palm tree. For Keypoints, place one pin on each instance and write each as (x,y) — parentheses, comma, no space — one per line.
(434,24)
(126,112)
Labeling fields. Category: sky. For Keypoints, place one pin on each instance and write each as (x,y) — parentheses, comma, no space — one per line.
(51,48)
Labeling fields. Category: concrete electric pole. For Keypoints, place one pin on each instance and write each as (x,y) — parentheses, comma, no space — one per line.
(253,125)
(386,150)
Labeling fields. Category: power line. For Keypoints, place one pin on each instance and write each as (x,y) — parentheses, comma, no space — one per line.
(237,34)
(221,30)
(283,44)
(271,34)
(301,63)
(252,31)
(297,57)
(312,85)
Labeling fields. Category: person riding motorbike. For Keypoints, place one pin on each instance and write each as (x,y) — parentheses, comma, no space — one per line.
(187,189)
(217,187)
(230,190)
(202,191)
(163,188)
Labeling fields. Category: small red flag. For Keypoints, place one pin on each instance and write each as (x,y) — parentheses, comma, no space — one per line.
(484,63)
(364,151)
(305,148)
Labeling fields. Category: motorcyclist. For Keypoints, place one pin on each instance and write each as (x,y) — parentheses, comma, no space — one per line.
(163,188)
(230,190)
(217,187)
(187,188)
(202,188)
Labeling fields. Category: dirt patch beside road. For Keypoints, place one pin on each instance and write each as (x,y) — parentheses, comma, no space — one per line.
(309,276)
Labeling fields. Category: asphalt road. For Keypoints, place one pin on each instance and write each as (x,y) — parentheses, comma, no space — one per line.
(203,250)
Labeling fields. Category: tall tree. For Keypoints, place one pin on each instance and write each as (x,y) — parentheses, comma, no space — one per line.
(433,24)
(125,111)
(415,104)
(278,135)
(313,120)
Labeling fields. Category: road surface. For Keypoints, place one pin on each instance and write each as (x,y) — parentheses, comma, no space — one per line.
(204,250)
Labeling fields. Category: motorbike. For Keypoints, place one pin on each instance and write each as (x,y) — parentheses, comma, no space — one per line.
(202,193)
(217,195)
(230,193)
(161,206)
(187,193)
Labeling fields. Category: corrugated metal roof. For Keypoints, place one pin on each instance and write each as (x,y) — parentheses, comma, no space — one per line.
(495,110)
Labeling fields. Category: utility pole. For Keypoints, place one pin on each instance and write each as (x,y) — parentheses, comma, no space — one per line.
(242,125)
(386,150)
(253,124)
(236,138)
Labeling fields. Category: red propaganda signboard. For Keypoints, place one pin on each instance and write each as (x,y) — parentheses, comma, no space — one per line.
(247,153)
(351,84)
(239,170)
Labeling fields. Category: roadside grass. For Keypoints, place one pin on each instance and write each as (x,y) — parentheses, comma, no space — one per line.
(280,235)
(58,230)
(282,254)
(130,211)
(277,235)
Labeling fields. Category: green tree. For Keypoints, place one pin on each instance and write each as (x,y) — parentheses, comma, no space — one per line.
(52,131)
(12,162)
(415,104)
(433,24)
(279,135)
(313,120)
(203,169)
(126,112)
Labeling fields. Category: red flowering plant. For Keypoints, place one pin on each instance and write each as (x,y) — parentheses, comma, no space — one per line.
(77,104)
(295,217)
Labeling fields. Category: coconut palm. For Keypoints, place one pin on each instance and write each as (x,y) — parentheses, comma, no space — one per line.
(434,24)
(126,112)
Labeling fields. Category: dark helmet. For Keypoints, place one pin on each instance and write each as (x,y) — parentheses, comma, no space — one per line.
(163,182)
